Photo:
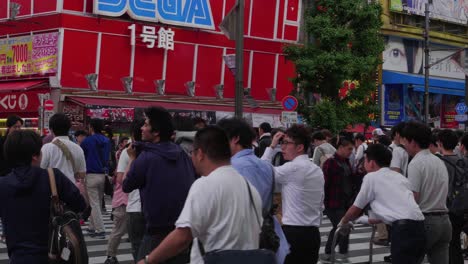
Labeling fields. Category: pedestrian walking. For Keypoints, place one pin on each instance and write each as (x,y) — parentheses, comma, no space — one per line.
(163,173)
(205,215)
(25,199)
(392,202)
(323,149)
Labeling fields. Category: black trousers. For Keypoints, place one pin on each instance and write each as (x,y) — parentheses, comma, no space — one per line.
(456,256)
(305,244)
(408,242)
(335,216)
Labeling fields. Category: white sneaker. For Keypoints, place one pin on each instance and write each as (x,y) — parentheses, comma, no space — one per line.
(342,258)
(325,258)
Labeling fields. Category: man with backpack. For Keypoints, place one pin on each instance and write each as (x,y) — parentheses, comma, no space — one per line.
(457,169)
(323,149)
(25,199)
(339,192)
(428,179)
(96,148)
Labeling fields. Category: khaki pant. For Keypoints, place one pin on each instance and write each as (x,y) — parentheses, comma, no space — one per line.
(382,233)
(95,188)
(120,228)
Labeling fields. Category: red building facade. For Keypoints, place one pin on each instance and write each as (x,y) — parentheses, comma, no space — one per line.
(51,46)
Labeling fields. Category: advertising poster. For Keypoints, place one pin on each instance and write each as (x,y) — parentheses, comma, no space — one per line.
(28,55)
(447,119)
(112,114)
(394,113)
(455,11)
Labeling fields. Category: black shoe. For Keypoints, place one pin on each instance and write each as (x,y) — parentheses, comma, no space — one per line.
(111,260)
(388,258)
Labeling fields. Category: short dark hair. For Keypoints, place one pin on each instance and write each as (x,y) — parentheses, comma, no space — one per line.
(448,138)
(417,132)
(136,128)
(213,141)
(464,141)
(300,135)
(380,154)
(266,127)
(397,129)
(97,125)
(161,121)
(360,136)
(318,136)
(122,139)
(343,142)
(80,133)
(60,124)
(237,127)
(21,146)
(384,140)
(198,120)
(12,120)
(327,133)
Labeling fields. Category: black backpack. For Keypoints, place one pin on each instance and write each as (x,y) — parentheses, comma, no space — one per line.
(66,241)
(457,198)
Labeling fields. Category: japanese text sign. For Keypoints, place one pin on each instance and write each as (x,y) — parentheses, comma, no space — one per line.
(149,36)
(28,55)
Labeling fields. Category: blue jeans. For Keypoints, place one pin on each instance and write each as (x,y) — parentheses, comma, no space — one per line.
(408,242)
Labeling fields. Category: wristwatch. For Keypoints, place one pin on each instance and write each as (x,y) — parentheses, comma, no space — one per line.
(146,259)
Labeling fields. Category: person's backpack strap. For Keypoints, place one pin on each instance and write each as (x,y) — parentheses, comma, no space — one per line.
(53,185)
(252,202)
(66,152)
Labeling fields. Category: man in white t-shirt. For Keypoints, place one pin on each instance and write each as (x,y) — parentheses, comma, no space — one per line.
(428,178)
(302,190)
(399,155)
(205,215)
(392,202)
(71,160)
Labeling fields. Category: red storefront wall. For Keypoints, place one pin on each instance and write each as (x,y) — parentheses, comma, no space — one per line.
(102,45)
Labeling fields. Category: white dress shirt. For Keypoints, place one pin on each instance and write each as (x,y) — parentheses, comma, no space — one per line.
(302,190)
(53,157)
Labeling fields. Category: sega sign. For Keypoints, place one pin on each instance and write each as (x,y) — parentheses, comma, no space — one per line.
(187,13)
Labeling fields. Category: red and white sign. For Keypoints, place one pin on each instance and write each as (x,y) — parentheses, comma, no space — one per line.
(49,105)
(17,102)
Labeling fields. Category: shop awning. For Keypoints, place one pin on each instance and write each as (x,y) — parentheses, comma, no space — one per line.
(439,90)
(21,85)
(439,85)
(121,102)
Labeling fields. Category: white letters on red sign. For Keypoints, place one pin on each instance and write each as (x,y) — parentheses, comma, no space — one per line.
(10,101)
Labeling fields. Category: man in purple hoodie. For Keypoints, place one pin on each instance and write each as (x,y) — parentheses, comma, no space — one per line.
(163,173)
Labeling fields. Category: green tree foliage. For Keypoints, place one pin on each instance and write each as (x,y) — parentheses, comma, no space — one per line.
(345,44)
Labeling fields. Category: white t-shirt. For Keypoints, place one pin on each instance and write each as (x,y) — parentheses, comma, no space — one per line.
(399,159)
(219,212)
(428,176)
(53,157)
(389,195)
(134,204)
(302,190)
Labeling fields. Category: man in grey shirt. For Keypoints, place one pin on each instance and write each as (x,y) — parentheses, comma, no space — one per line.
(428,179)
(323,149)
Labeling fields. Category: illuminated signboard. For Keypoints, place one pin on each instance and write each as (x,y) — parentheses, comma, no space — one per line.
(28,55)
(187,13)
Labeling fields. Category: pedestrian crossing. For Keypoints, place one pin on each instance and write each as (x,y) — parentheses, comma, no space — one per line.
(358,247)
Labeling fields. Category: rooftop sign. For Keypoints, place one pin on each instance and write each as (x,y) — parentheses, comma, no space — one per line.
(186,13)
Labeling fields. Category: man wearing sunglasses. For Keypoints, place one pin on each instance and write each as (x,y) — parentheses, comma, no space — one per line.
(302,186)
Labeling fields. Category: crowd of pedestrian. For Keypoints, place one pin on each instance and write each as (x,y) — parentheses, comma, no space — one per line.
(206,191)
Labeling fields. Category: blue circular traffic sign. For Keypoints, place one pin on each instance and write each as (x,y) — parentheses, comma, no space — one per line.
(461,108)
(290,103)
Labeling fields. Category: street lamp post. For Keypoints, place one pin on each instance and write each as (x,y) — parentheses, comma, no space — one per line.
(426,64)
(239,59)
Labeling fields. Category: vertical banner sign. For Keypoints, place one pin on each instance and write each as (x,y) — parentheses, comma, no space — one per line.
(28,55)
(449,112)
(393,105)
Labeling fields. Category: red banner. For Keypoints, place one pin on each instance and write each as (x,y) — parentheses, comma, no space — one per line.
(17,102)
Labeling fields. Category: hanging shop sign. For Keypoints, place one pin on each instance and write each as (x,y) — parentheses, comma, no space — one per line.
(17,102)
(187,13)
(394,107)
(152,37)
(28,55)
